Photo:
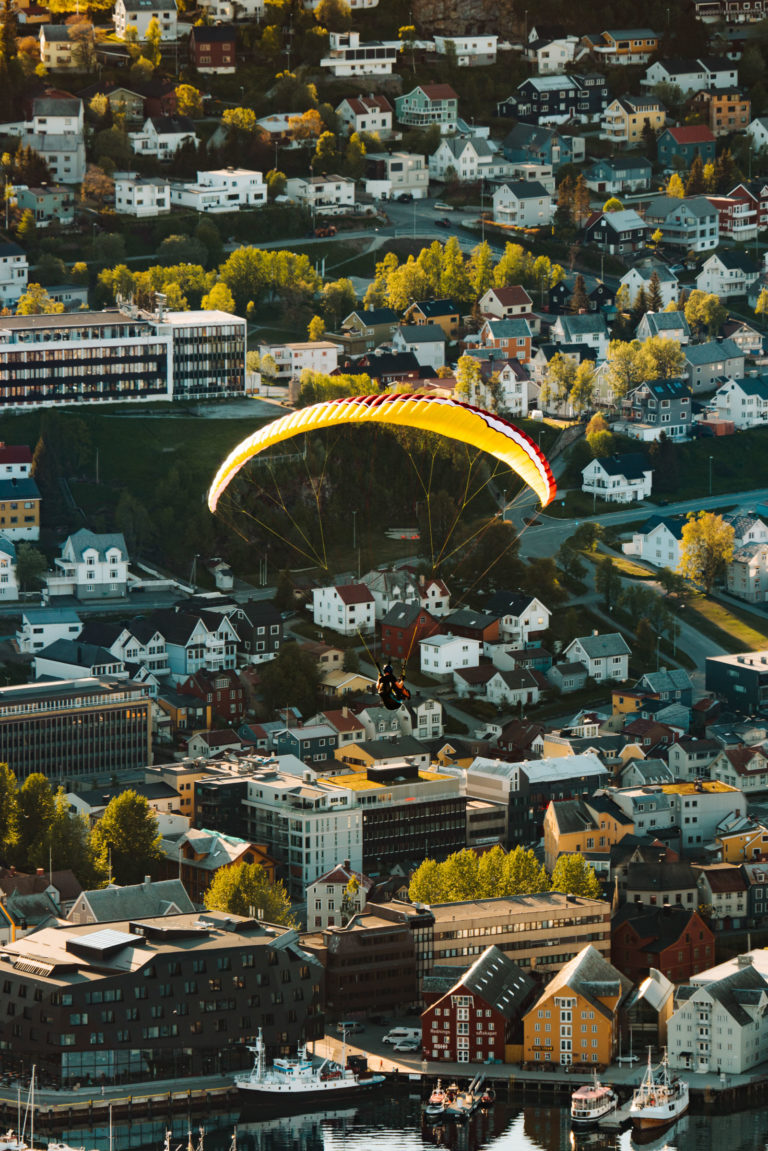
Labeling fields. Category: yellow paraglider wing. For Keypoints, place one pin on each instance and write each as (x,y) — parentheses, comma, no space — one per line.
(440,414)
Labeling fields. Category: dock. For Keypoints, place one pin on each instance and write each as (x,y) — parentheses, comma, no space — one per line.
(617,1119)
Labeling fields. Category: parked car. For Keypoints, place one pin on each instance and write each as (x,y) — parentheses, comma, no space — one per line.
(408,1045)
(441,223)
(443,207)
(351,1026)
(403,1035)
(405,197)
(627,1058)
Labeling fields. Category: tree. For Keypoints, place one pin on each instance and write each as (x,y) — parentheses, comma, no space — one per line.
(602,444)
(36,809)
(335,15)
(561,376)
(36,302)
(608,581)
(241,120)
(189,100)
(469,378)
(9,803)
(709,176)
(426,884)
(316,328)
(152,40)
(125,840)
(219,299)
(339,299)
(307,126)
(246,889)
(581,197)
(675,187)
(408,36)
(573,876)
(66,843)
(583,391)
(523,874)
(349,899)
(291,678)
(354,156)
(625,367)
(761,307)
(694,185)
(662,359)
(706,548)
(704,310)
(579,300)
(30,565)
(97,185)
(613,205)
(83,47)
(454,280)
(655,298)
(113,144)
(326,151)
(276,182)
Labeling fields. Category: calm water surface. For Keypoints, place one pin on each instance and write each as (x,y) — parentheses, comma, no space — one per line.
(394,1124)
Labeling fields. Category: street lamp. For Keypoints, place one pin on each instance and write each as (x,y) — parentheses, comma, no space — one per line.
(710,475)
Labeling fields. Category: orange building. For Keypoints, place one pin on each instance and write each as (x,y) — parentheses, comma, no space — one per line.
(724,112)
(576,1019)
(577,825)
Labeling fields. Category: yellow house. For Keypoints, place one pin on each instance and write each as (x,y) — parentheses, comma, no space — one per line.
(58,48)
(182,777)
(576,1018)
(341,683)
(743,842)
(625,118)
(626,702)
(583,825)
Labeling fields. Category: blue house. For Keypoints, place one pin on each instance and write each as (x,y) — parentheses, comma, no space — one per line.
(535,144)
(619,174)
(683,144)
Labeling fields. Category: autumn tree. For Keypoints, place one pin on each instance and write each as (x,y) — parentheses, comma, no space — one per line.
(655,299)
(706,548)
(662,359)
(125,840)
(469,378)
(581,207)
(523,874)
(246,889)
(316,328)
(704,310)
(579,300)
(189,100)
(561,376)
(326,153)
(219,299)
(582,392)
(36,302)
(97,186)
(9,812)
(572,875)
(694,185)
(614,204)
(761,307)
(625,367)
(676,187)
(152,41)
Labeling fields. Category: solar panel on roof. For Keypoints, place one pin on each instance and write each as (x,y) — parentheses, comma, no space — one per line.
(105,939)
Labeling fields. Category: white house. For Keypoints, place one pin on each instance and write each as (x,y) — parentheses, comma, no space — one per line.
(292,359)
(348,57)
(468,51)
(56,133)
(721,1025)
(606,657)
(515,688)
(71,659)
(523,203)
(657,542)
(221,190)
(467,158)
(348,608)
(9,586)
(743,767)
(758,132)
(444,654)
(14,273)
(392,174)
(90,567)
(42,626)
(162,136)
(744,401)
(665,325)
(139,13)
(328,194)
(746,575)
(523,619)
(590,329)
(618,479)
(366,114)
(640,277)
(551,54)
(505,303)
(330,903)
(691,224)
(426,341)
(141,195)
(727,273)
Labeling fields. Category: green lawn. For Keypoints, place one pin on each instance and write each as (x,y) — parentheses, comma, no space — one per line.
(733,628)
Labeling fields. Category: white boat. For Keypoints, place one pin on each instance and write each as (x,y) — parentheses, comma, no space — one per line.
(436,1104)
(591,1103)
(301,1080)
(660,1099)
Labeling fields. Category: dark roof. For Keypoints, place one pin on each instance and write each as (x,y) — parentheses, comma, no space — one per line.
(402,615)
(170,125)
(631,465)
(436,307)
(498,980)
(214,34)
(657,927)
(660,876)
(508,603)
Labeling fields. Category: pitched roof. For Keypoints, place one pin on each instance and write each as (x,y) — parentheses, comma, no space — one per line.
(353,593)
(83,540)
(438,91)
(693,134)
(624,221)
(436,307)
(735,261)
(630,465)
(723,877)
(591,975)
(712,351)
(499,982)
(513,296)
(421,333)
(163,897)
(599,646)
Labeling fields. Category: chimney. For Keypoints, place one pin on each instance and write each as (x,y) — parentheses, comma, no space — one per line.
(147,880)
(40,871)
(347,865)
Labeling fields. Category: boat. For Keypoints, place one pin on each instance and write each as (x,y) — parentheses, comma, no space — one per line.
(660,1099)
(488,1098)
(436,1103)
(461,1104)
(300,1080)
(591,1103)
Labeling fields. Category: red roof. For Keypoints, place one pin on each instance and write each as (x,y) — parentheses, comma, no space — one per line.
(360,105)
(343,722)
(354,593)
(439,91)
(696,134)
(723,877)
(513,296)
(15,454)
(746,759)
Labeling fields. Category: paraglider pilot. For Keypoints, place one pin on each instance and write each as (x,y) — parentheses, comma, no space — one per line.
(392,691)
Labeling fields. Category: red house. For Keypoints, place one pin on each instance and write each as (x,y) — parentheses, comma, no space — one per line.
(472,625)
(481,1014)
(221,689)
(674,940)
(213,49)
(403,627)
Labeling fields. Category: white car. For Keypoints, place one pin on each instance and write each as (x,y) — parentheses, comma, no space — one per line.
(408,1045)
(627,1058)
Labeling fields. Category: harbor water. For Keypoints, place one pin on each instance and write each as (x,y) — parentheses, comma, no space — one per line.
(391,1121)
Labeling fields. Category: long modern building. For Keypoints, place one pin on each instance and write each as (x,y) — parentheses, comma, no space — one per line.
(157,998)
(74,728)
(120,356)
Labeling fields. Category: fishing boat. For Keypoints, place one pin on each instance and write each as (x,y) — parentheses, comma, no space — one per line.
(460,1105)
(660,1099)
(435,1105)
(300,1080)
(591,1103)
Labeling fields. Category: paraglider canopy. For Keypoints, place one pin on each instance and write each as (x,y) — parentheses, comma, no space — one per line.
(442,415)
